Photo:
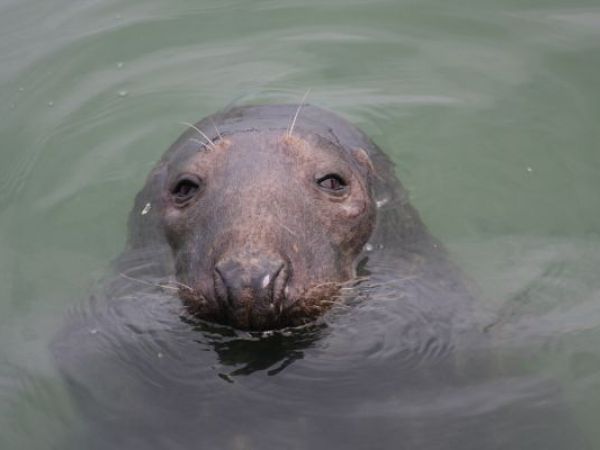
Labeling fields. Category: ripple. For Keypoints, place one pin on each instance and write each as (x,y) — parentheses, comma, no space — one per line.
(468,98)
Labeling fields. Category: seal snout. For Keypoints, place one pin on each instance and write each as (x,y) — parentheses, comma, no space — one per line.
(251,287)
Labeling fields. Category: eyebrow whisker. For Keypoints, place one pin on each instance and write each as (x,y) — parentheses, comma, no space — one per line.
(194,127)
(293,124)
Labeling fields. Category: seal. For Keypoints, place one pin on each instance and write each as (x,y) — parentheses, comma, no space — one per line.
(268,211)
(263,217)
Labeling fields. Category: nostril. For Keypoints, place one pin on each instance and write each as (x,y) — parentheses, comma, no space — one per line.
(269,279)
(250,280)
(278,284)
(220,286)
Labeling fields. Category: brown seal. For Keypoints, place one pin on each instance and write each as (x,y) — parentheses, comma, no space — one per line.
(266,221)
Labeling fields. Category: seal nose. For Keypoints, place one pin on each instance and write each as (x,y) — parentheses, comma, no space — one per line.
(254,283)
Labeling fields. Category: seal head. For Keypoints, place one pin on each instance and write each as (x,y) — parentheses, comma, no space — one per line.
(263,227)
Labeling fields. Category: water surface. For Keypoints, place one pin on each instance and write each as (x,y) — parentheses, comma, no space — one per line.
(490,112)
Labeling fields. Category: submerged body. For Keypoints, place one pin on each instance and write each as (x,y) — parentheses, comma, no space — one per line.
(247,224)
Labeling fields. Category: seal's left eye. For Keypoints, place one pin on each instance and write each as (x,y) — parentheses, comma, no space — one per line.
(332,182)
(184,189)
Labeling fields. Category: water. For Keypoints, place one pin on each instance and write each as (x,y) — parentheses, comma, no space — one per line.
(489,110)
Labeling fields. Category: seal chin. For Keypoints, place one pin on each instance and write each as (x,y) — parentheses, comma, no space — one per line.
(254,320)
(258,313)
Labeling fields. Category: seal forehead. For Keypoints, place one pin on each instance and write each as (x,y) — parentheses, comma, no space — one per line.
(268,153)
(271,136)
(279,142)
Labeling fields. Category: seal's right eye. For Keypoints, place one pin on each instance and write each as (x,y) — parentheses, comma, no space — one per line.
(184,189)
(332,182)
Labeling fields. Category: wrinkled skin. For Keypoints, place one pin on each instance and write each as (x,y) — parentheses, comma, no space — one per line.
(264,226)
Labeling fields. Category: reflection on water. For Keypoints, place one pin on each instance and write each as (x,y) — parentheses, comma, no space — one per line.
(490,111)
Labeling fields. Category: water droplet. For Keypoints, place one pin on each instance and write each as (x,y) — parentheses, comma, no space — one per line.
(21,89)
(120,65)
(94,331)
(146,209)
(123,93)
(368,247)
(382,202)
(159,354)
(529,169)
(50,104)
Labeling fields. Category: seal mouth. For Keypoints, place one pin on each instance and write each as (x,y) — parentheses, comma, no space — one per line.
(253,314)
(257,291)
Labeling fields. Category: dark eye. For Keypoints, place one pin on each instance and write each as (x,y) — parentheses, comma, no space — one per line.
(332,182)
(184,189)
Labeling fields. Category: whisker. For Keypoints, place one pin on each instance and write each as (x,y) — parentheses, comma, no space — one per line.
(378,284)
(356,280)
(165,286)
(179,283)
(197,141)
(194,127)
(136,279)
(216,129)
(148,283)
(293,124)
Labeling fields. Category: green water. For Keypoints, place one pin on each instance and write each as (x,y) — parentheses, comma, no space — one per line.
(490,110)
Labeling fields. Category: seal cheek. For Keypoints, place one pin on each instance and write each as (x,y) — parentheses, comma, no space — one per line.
(175,226)
(172,220)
